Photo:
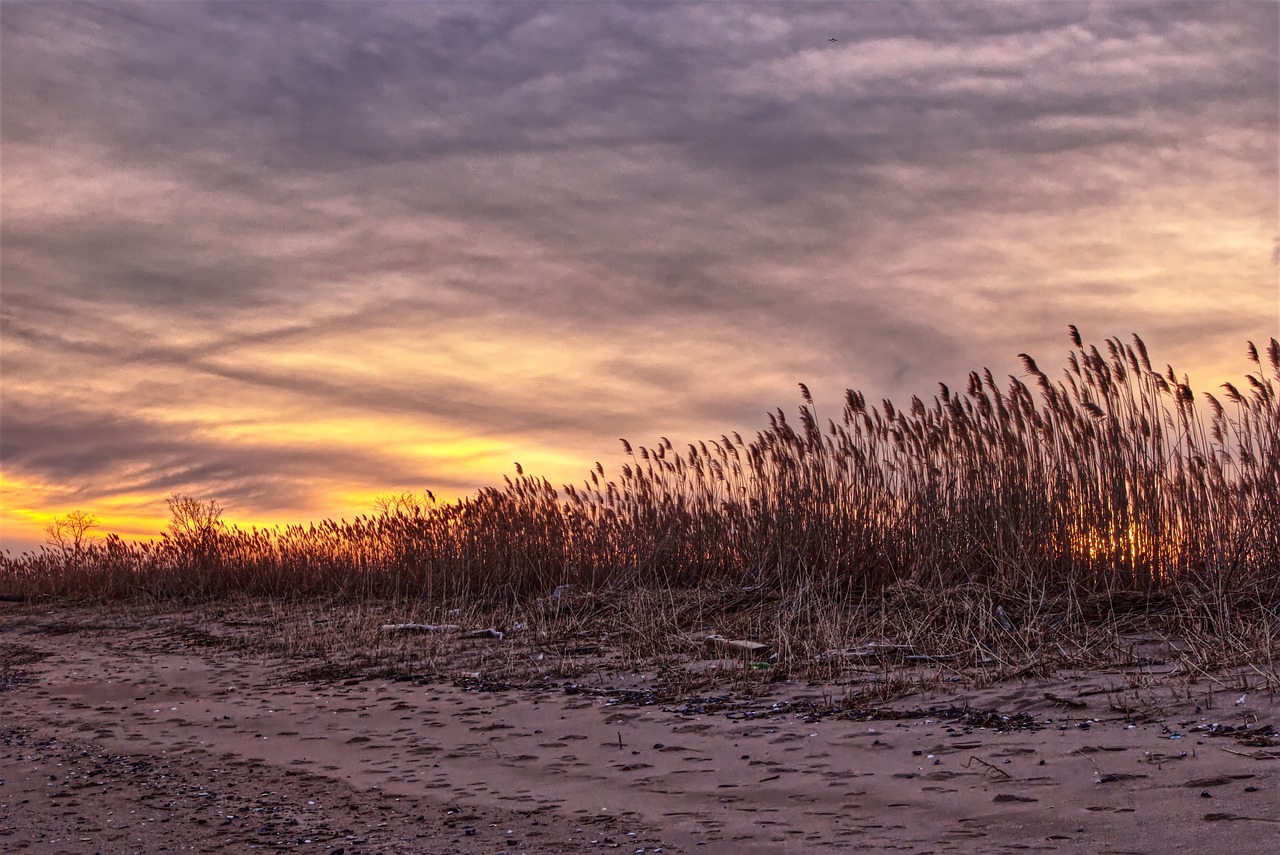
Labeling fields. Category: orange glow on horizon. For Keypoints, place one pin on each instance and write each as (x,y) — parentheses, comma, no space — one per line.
(28,506)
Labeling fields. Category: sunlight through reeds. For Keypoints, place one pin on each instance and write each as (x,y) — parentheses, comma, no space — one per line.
(1113,476)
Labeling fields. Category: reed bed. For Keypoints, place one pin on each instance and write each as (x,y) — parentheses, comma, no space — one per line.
(1029,504)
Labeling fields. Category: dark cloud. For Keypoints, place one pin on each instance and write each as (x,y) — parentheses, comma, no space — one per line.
(666,212)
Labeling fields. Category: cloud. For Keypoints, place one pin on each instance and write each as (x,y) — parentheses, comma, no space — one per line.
(547,225)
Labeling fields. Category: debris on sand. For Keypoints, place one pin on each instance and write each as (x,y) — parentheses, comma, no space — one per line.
(875,650)
(735,645)
(488,632)
(425,628)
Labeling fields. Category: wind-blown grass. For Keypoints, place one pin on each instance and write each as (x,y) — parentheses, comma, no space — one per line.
(1113,478)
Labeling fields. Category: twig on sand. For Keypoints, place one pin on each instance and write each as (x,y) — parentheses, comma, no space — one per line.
(1087,757)
(1255,755)
(973,757)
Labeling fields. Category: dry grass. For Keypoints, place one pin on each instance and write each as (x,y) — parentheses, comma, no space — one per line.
(1010,528)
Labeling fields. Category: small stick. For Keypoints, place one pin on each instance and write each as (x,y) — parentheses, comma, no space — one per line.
(619,740)
(1256,755)
(973,757)
(1087,757)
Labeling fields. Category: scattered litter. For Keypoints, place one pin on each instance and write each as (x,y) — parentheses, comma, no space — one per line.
(735,645)
(1002,618)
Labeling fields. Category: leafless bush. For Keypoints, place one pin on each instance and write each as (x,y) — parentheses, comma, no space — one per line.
(69,534)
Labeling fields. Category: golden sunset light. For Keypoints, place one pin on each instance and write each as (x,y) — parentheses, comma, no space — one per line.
(734,426)
(293,257)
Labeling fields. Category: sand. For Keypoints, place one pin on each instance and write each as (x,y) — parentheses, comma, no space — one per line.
(126,735)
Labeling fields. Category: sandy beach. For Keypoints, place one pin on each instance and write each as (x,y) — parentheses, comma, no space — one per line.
(134,732)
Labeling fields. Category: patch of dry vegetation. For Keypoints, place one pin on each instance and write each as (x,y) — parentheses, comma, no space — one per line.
(1012,528)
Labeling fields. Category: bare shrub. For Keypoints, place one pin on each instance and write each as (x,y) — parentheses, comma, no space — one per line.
(71,533)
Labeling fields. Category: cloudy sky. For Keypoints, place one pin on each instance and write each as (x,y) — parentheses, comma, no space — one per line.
(295,255)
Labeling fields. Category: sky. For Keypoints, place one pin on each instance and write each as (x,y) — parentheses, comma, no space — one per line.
(295,255)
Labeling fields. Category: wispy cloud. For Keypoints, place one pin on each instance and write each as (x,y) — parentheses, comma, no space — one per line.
(540,226)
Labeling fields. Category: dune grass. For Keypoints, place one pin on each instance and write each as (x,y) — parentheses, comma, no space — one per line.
(1018,515)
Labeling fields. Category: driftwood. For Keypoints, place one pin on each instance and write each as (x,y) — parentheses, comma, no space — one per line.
(429,628)
(485,633)
(876,650)
(420,627)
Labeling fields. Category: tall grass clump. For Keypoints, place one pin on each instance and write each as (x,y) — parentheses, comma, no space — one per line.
(1112,477)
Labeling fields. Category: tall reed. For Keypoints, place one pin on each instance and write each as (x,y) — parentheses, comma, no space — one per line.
(1109,477)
